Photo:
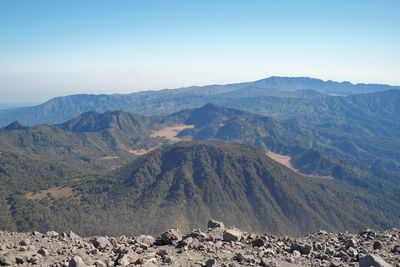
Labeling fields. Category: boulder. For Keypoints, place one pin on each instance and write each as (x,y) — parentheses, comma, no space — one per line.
(76,262)
(6,260)
(123,260)
(377,245)
(258,242)
(43,252)
(350,243)
(72,235)
(215,224)
(101,242)
(170,237)
(211,262)
(232,234)
(52,234)
(145,239)
(25,242)
(372,260)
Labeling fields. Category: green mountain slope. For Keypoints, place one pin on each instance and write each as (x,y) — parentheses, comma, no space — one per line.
(187,183)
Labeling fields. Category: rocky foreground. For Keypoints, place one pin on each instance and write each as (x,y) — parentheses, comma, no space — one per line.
(216,246)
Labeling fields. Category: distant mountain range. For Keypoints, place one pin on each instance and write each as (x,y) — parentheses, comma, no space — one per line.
(163,102)
(282,155)
(124,166)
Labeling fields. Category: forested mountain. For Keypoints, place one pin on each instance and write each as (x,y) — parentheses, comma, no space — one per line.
(163,102)
(185,184)
(366,133)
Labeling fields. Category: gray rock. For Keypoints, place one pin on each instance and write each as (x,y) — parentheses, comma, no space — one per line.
(372,260)
(302,248)
(123,260)
(377,245)
(43,252)
(6,260)
(351,243)
(352,252)
(76,262)
(269,252)
(52,234)
(211,262)
(25,242)
(72,235)
(215,224)
(296,253)
(146,239)
(258,242)
(232,235)
(36,233)
(170,237)
(99,263)
(101,242)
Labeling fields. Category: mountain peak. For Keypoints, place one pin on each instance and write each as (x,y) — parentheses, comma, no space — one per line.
(93,121)
(16,125)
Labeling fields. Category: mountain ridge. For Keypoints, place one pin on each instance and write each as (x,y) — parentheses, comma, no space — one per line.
(166,101)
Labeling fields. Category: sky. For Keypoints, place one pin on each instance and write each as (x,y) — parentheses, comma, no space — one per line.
(50,48)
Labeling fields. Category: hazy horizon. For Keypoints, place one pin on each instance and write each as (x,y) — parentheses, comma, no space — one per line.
(53,48)
(17,104)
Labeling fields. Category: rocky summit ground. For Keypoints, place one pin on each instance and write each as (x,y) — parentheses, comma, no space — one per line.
(216,246)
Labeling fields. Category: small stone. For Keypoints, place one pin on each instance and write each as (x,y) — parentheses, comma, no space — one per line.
(351,243)
(99,263)
(76,262)
(43,252)
(101,242)
(146,239)
(258,242)
(72,235)
(38,234)
(377,245)
(6,260)
(168,259)
(322,232)
(374,261)
(25,242)
(396,249)
(123,261)
(211,262)
(269,252)
(170,237)
(232,235)
(52,234)
(296,253)
(215,224)
(352,252)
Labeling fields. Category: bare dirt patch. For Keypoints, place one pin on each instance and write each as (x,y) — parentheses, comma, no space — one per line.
(282,159)
(54,193)
(285,160)
(141,151)
(109,157)
(171,132)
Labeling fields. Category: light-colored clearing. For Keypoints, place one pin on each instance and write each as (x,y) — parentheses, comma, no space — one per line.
(141,151)
(171,132)
(109,157)
(55,192)
(282,159)
(285,160)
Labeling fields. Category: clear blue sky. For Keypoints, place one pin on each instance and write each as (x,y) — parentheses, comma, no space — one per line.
(50,48)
